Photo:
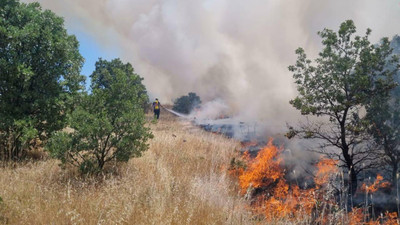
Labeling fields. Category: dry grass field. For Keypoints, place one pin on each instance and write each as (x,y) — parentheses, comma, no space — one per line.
(181,179)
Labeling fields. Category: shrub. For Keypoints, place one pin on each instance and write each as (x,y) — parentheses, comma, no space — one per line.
(185,104)
(109,123)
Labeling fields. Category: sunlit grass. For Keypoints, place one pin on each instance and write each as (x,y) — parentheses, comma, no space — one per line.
(181,179)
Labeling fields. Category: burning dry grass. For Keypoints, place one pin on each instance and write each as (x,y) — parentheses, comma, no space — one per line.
(278,201)
(181,179)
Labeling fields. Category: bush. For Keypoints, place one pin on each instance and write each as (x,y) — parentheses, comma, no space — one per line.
(109,123)
(186,104)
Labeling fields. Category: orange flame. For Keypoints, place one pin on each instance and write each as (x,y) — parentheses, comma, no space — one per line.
(391,218)
(282,200)
(356,216)
(246,156)
(264,170)
(276,199)
(289,202)
(376,185)
(326,168)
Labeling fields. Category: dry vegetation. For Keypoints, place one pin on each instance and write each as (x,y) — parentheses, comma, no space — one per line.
(181,179)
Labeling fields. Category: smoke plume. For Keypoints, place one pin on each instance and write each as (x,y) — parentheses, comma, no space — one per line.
(234,50)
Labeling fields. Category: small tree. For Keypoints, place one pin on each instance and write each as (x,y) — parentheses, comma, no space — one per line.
(109,124)
(347,74)
(39,72)
(185,104)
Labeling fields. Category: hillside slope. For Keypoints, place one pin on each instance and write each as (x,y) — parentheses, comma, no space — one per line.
(181,179)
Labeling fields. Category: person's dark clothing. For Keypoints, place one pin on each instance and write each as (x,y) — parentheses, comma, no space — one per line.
(157,113)
(156,107)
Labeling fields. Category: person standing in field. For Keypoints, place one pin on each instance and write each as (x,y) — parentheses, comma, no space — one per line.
(156,107)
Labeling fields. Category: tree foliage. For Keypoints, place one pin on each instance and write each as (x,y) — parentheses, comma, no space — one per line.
(337,86)
(109,123)
(185,104)
(39,72)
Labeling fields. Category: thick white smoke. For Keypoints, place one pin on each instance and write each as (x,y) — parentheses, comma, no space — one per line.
(233,50)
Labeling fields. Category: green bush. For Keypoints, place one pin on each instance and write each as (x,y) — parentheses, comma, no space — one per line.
(185,104)
(109,124)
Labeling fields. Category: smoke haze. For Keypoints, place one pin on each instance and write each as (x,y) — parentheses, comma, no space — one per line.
(234,50)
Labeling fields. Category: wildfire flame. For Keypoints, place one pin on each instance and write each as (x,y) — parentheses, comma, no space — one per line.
(280,200)
(264,178)
(376,185)
(326,168)
(391,218)
(356,216)
(264,170)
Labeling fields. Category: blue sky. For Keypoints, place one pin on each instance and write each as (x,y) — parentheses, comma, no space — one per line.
(92,51)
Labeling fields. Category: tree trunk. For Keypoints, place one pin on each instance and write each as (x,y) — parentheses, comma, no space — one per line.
(352,184)
(394,173)
(101,164)
(353,181)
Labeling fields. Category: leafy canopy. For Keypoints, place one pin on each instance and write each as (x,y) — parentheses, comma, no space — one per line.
(39,73)
(346,73)
(109,123)
(185,104)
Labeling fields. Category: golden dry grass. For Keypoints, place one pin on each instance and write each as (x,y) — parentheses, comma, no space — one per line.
(181,179)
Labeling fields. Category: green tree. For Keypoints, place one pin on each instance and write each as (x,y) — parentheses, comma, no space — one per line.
(105,75)
(185,104)
(109,123)
(39,73)
(347,74)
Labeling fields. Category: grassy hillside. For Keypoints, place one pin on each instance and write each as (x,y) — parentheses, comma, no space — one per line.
(181,179)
